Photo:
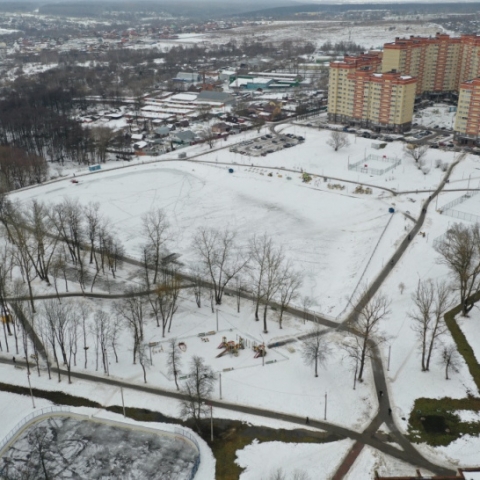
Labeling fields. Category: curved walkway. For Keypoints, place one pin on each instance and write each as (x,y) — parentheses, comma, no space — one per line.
(383,415)
(338,430)
(409,454)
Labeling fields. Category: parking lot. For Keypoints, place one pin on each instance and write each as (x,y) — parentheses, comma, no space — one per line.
(269,143)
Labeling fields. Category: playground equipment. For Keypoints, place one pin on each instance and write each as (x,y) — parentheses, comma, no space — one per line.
(260,350)
(231,346)
(5,315)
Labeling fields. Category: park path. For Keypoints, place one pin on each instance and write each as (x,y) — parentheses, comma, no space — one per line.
(384,411)
(408,454)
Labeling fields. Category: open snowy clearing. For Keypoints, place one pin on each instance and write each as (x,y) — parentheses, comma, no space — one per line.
(371,461)
(330,235)
(261,460)
(368,35)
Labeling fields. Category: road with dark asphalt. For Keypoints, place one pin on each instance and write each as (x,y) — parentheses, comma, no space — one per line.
(366,437)
(409,453)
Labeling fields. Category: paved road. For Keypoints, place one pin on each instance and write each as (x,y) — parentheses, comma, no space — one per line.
(383,415)
(409,454)
(342,432)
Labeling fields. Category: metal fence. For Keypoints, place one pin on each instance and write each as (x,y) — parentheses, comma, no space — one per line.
(360,165)
(459,200)
(447,209)
(187,434)
(470,217)
(28,418)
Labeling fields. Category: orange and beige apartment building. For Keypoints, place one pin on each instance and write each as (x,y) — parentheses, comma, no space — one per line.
(438,66)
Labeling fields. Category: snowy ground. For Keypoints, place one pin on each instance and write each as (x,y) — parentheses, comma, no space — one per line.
(329,233)
(250,201)
(439,114)
(371,461)
(261,460)
(320,32)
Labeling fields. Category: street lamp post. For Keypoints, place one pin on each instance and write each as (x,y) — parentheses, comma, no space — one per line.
(31,392)
(325,412)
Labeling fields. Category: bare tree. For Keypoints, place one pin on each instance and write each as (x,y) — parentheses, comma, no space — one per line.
(267,272)
(143,359)
(366,319)
(209,136)
(290,284)
(450,359)
(167,299)
(131,309)
(61,322)
(93,222)
(197,390)
(84,311)
(102,136)
(272,279)
(415,152)
(174,360)
(198,286)
(103,323)
(460,252)
(432,301)
(260,248)
(338,140)
(155,229)
(315,349)
(220,257)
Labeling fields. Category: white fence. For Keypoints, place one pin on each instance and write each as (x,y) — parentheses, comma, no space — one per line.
(362,166)
(28,418)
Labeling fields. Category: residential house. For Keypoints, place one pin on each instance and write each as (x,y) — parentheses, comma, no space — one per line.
(220,127)
(220,98)
(161,131)
(184,137)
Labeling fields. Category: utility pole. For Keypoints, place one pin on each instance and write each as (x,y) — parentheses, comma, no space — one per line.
(211,423)
(123,402)
(325,413)
(31,393)
(355,376)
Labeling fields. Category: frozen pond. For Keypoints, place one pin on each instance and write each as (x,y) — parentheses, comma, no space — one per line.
(64,447)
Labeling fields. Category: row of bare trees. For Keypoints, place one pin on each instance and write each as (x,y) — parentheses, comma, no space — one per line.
(48,239)
(261,266)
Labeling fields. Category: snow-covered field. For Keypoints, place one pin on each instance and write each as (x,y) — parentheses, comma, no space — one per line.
(261,460)
(371,461)
(331,234)
(438,115)
(320,32)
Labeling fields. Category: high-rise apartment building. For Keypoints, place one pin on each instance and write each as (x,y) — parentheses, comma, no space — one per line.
(467,121)
(360,94)
(433,61)
(436,66)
